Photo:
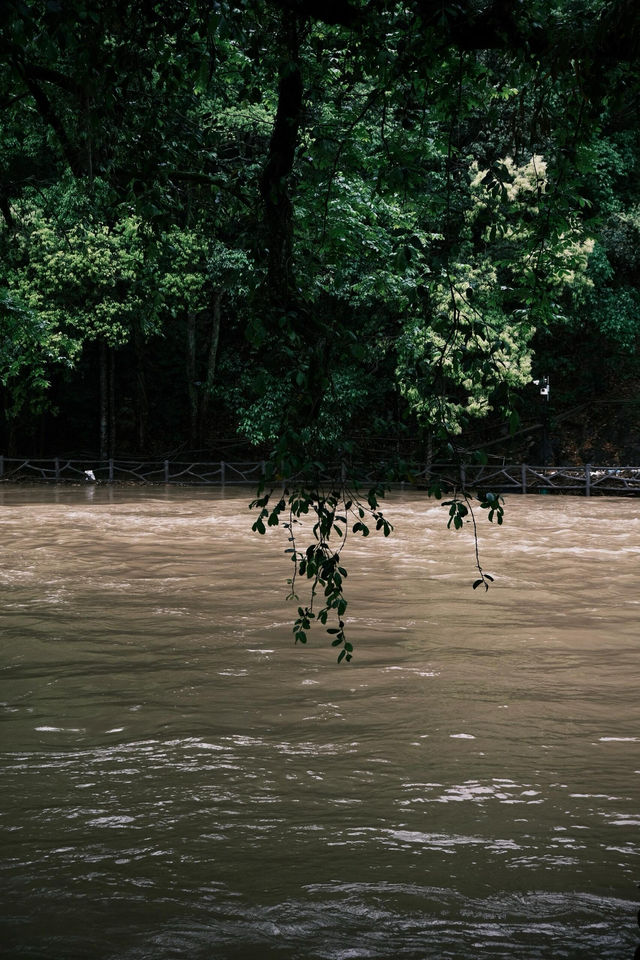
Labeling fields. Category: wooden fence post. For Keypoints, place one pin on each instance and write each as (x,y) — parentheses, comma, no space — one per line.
(110,471)
(166,471)
(524,477)
(56,463)
(587,480)
(222,472)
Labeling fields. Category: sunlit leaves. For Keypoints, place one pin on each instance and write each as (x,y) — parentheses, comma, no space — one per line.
(515,254)
(81,276)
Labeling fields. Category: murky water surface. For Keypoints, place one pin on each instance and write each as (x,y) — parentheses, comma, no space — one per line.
(180,781)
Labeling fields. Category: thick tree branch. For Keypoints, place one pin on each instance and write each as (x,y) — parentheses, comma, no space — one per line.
(5,209)
(48,75)
(52,119)
(336,12)
(498,25)
(278,209)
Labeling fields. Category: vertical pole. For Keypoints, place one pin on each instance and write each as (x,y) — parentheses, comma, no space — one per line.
(524,478)
(587,480)
(110,471)
(1,465)
(222,472)
(463,476)
(57,467)
(166,471)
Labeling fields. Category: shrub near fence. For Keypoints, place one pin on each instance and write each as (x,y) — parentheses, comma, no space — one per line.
(506,478)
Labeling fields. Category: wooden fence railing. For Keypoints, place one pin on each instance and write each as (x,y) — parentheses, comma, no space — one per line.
(585,480)
(60,469)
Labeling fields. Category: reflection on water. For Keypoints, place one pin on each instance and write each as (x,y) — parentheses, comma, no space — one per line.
(179,781)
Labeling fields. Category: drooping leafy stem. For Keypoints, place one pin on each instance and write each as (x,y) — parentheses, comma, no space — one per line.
(460,508)
(335,515)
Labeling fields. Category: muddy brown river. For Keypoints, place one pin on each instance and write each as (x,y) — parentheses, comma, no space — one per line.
(180,782)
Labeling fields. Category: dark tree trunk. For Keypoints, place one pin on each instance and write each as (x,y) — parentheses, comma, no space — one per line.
(103,375)
(106,368)
(141,399)
(281,296)
(5,209)
(12,437)
(211,365)
(278,209)
(192,385)
(112,401)
(142,409)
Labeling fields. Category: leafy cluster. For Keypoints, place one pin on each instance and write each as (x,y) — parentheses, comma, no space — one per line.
(334,515)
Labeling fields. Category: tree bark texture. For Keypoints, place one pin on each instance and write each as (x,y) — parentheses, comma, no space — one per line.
(211,365)
(192,386)
(103,375)
(274,187)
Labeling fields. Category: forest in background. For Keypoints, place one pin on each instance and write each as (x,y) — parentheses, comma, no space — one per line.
(311,231)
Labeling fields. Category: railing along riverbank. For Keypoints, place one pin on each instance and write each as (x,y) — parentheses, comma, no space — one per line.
(587,480)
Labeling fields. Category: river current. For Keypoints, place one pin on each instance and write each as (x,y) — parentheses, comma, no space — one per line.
(179,781)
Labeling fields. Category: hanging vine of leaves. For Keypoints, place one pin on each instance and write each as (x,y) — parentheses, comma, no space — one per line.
(461,512)
(318,568)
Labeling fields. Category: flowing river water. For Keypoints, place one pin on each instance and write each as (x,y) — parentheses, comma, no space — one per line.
(180,781)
